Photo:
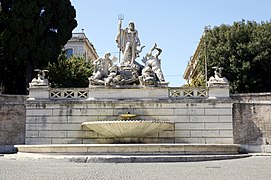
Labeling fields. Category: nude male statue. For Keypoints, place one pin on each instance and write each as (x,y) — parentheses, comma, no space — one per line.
(153,61)
(127,41)
(101,66)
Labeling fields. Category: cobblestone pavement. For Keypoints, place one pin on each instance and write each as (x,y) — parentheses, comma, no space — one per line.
(255,167)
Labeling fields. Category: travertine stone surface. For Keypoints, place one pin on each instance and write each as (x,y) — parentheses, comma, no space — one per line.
(12,119)
(252,125)
(195,120)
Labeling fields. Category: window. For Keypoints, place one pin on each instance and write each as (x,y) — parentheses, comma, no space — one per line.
(69,52)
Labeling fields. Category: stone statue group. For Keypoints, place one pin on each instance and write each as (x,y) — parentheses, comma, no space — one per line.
(129,71)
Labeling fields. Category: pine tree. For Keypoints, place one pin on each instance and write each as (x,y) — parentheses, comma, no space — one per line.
(33,34)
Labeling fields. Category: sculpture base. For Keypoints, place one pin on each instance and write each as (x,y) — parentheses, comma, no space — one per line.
(219,90)
(128,92)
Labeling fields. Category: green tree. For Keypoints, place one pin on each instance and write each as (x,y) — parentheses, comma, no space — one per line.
(71,72)
(244,51)
(32,34)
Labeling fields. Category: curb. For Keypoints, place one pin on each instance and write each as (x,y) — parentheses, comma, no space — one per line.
(161,159)
(123,159)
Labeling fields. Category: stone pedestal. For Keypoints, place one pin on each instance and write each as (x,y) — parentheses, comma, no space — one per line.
(128,92)
(219,90)
(39,92)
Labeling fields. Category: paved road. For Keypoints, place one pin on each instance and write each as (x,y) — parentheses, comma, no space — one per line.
(256,167)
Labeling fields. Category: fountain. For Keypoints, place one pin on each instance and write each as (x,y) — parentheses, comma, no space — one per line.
(200,124)
(128,129)
(128,74)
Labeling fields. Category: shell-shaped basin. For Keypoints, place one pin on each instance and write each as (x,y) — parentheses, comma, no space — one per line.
(127,116)
(128,128)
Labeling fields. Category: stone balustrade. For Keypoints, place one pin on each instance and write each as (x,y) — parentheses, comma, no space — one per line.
(189,92)
(41,92)
(69,93)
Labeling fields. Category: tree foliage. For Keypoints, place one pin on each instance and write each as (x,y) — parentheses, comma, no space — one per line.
(244,51)
(32,34)
(72,72)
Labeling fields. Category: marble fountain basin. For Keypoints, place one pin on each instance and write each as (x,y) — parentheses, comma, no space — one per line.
(128,128)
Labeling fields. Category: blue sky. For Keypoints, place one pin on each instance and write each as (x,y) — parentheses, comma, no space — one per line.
(175,25)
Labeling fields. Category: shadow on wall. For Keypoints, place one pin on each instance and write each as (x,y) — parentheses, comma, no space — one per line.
(251,124)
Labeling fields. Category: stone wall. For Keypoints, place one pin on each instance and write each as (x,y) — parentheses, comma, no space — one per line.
(12,120)
(244,119)
(196,120)
(252,121)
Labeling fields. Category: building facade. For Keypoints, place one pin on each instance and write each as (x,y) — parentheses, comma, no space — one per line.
(193,71)
(80,46)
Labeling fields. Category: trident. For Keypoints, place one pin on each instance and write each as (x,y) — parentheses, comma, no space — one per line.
(120,18)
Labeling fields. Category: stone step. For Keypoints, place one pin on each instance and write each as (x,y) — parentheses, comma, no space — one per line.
(133,149)
(120,158)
